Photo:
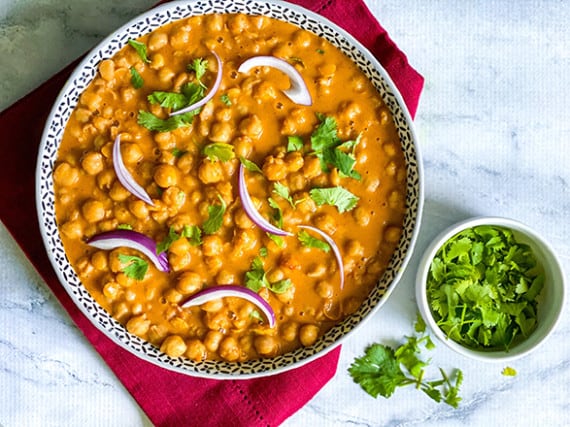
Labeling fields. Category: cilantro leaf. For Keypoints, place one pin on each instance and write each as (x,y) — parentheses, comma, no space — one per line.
(249,165)
(173,100)
(199,66)
(311,242)
(219,151)
(338,196)
(134,267)
(151,122)
(136,79)
(124,227)
(283,191)
(215,217)
(225,99)
(256,278)
(193,234)
(140,48)
(170,238)
(294,143)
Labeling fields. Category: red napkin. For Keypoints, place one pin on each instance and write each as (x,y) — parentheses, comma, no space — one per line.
(168,398)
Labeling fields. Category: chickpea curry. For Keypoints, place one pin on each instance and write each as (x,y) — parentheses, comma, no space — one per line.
(223,210)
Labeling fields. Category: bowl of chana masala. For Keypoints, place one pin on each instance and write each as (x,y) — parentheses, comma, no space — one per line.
(229,189)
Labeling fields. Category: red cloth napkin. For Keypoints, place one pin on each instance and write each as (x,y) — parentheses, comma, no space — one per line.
(169,398)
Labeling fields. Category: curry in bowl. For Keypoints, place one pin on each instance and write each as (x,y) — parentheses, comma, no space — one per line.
(230,187)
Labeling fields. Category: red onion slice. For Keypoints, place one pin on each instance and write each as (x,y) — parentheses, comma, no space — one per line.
(334,247)
(131,239)
(222,291)
(250,209)
(124,175)
(209,95)
(298,92)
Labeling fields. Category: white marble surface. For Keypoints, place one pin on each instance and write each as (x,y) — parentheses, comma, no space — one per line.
(494,129)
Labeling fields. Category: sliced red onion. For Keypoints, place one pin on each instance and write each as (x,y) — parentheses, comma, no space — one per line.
(250,209)
(334,247)
(109,240)
(298,92)
(222,291)
(125,176)
(209,95)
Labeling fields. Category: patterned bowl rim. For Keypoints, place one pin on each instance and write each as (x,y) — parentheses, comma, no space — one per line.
(66,102)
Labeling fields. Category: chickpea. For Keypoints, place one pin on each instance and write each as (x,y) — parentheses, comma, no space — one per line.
(212,340)
(185,163)
(131,153)
(91,100)
(210,172)
(111,290)
(120,311)
(311,167)
(83,115)
(65,175)
(93,210)
(138,208)
(118,193)
(392,234)
(288,295)
(238,23)
(302,38)
(324,289)
(213,306)
(229,349)
(395,200)
(308,334)
(174,198)
(157,40)
(189,283)
(165,175)
(173,296)
(243,145)
(274,168)
(99,260)
(165,75)
(264,91)
(245,240)
(225,277)
(156,333)
(221,132)
(251,126)
(105,179)
(72,229)
(265,345)
(354,248)
(92,162)
(362,216)
(350,305)
(214,263)
(241,219)
(289,331)
(217,321)
(212,245)
(138,325)
(196,351)
(317,270)
(294,161)
(174,346)
(326,222)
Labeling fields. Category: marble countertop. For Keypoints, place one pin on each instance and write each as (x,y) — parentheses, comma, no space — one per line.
(494,130)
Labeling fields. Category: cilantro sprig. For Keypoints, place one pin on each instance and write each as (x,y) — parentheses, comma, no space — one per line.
(383,369)
(134,267)
(338,196)
(256,278)
(215,217)
(140,48)
(482,288)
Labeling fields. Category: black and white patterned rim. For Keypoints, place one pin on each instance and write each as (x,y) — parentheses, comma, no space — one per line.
(67,101)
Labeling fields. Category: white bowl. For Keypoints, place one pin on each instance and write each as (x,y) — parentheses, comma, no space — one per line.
(550,300)
(67,101)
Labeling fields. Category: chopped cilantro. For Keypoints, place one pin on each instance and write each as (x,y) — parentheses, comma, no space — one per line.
(193,234)
(215,217)
(151,122)
(219,151)
(320,51)
(256,278)
(134,266)
(124,227)
(482,288)
(294,143)
(382,369)
(136,79)
(249,165)
(199,66)
(283,191)
(173,100)
(312,242)
(225,99)
(177,152)
(140,49)
(170,238)
(263,252)
(278,214)
(338,196)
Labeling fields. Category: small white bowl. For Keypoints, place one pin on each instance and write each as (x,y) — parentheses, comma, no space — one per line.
(550,300)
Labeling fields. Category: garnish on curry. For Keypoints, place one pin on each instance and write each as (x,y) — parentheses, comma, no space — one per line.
(228,211)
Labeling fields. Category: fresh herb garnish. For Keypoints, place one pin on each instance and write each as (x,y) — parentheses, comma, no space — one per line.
(173,100)
(312,242)
(482,287)
(382,369)
(338,196)
(331,150)
(193,234)
(199,66)
(278,214)
(294,143)
(320,51)
(249,165)
(256,278)
(136,79)
(219,151)
(140,49)
(177,152)
(170,238)
(283,191)
(509,372)
(124,227)
(134,266)
(215,217)
(225,99)
(151,122)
